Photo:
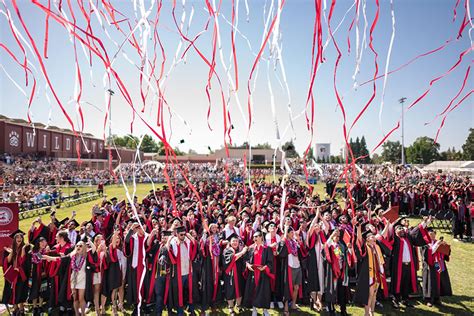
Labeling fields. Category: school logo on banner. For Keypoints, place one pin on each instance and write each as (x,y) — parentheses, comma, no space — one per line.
(8,223)
(14,139)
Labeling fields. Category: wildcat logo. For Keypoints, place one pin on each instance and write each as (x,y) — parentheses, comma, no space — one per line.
(6,216)
(14,139)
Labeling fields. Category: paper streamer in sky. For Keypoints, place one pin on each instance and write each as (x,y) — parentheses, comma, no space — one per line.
(387,64)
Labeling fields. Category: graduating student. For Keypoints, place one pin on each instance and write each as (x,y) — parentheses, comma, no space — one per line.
(233,265)
(15,269)
(182,251)
(62,247)
(290,268)
(272,239)
(436,282)
(95,249)
(370,271)
(259,262)
(160,271)
(135,253)
(316,240)
(210,251)
(404,261)
(40,231)
(72,232)
(112,273)
(337,261)
(38,275)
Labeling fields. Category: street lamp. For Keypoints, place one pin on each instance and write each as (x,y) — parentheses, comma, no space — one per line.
(402,101)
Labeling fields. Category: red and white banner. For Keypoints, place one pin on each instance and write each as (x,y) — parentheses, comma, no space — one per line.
(8,223)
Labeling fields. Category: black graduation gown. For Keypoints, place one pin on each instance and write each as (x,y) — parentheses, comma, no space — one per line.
(210,271)
(54,277)
(284,270)
(37,279)
(65,298)
(362,289)
(415,238)
(258,295)
(233,269)
(180,298)
(133,277)
(112,274)
(17,292)
(92,266)
(313,274)
(331,292)
(434,284)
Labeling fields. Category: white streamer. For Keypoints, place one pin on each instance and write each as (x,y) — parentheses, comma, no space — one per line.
(387,63)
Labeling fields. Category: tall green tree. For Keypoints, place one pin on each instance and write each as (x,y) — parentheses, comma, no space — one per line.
(423,150)
(290,150)
(468,147)
(149,145)
(391,152)
(363,151)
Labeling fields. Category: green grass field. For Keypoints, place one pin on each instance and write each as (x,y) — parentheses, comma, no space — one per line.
(461,267)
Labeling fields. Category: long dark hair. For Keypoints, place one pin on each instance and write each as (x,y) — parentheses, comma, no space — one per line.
(15,249)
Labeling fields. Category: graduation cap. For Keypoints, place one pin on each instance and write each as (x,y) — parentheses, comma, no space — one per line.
(39,239)
(244,212)
(233,235)
(74,222)
(181,141)
(114,199)
(64,221)
(339,218)
(17,232)
(430,229)
(176,219)
(367,234)
(181,229)
(272,223)
(258,233)
(166,233)
(209,147)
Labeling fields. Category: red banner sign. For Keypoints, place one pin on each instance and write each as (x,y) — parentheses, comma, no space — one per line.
(8,223)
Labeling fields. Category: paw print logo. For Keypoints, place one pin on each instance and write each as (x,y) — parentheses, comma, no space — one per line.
(14,139)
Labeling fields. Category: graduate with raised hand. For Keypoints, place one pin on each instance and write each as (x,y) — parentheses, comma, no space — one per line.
(436,282)
(259,261)
(370,270)
(233,267)
(338,259)
(15,269)
(288,251)
(404,260)
(182,249)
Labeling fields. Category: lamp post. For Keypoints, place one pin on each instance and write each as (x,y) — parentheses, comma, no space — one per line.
(402,101)
(111,93)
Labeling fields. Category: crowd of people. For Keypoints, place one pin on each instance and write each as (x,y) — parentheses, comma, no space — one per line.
(35,183)
(260,247)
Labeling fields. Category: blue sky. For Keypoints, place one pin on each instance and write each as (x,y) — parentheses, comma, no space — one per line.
(421,25)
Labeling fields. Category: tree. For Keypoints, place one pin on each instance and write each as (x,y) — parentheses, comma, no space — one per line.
(423,150)
(310,155)
(468,147)
(376,159)
(363,151)
(290,150)
(391,152)
(149,145)
(451,154)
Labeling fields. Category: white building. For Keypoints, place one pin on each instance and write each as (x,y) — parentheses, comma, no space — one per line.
(323,151)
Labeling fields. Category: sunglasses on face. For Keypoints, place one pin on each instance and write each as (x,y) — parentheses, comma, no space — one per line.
(182,234)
